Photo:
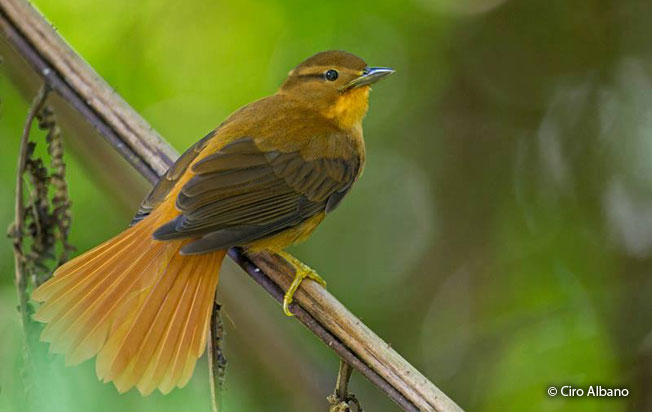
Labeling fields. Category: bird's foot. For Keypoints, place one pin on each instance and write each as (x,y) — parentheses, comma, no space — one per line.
(301,272)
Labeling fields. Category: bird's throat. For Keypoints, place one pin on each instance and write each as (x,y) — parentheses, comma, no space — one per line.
(350,108)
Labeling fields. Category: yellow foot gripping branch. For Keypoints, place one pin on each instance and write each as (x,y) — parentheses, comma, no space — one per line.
(301,272)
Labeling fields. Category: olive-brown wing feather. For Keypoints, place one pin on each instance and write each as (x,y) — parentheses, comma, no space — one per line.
(241,194)
(169,179)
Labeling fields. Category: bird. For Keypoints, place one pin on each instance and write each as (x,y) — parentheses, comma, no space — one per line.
(263,180)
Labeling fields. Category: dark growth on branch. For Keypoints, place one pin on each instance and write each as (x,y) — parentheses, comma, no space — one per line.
(42,221)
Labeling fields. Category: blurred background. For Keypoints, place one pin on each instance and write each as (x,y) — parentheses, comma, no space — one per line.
(500,238)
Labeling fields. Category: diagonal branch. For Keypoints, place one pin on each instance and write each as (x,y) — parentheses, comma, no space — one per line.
(49,57)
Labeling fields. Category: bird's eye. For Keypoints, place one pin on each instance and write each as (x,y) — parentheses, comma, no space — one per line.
(331,75)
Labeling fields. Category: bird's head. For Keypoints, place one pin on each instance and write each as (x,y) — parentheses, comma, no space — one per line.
(335,83)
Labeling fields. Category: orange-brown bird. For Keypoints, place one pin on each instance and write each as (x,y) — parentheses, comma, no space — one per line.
(263,180)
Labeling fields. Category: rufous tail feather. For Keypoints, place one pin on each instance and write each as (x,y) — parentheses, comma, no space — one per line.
(137,304)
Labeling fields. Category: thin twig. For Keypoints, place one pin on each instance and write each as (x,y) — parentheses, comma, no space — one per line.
(343,378)
(341,398)
(16,232)
(17,228)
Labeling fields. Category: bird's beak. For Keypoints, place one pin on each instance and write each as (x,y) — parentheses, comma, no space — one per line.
(369,75)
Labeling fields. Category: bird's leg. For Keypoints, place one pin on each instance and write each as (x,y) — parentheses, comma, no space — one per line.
(301,272)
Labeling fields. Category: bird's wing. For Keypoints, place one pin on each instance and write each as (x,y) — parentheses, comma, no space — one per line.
(242,193)
(170,179)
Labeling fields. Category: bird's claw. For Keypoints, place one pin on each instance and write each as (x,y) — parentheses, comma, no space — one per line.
(301,272)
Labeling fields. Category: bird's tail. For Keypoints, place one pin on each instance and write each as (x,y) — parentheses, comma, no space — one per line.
(137,304)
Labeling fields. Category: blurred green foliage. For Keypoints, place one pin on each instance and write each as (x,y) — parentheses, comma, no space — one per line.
(501,236)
